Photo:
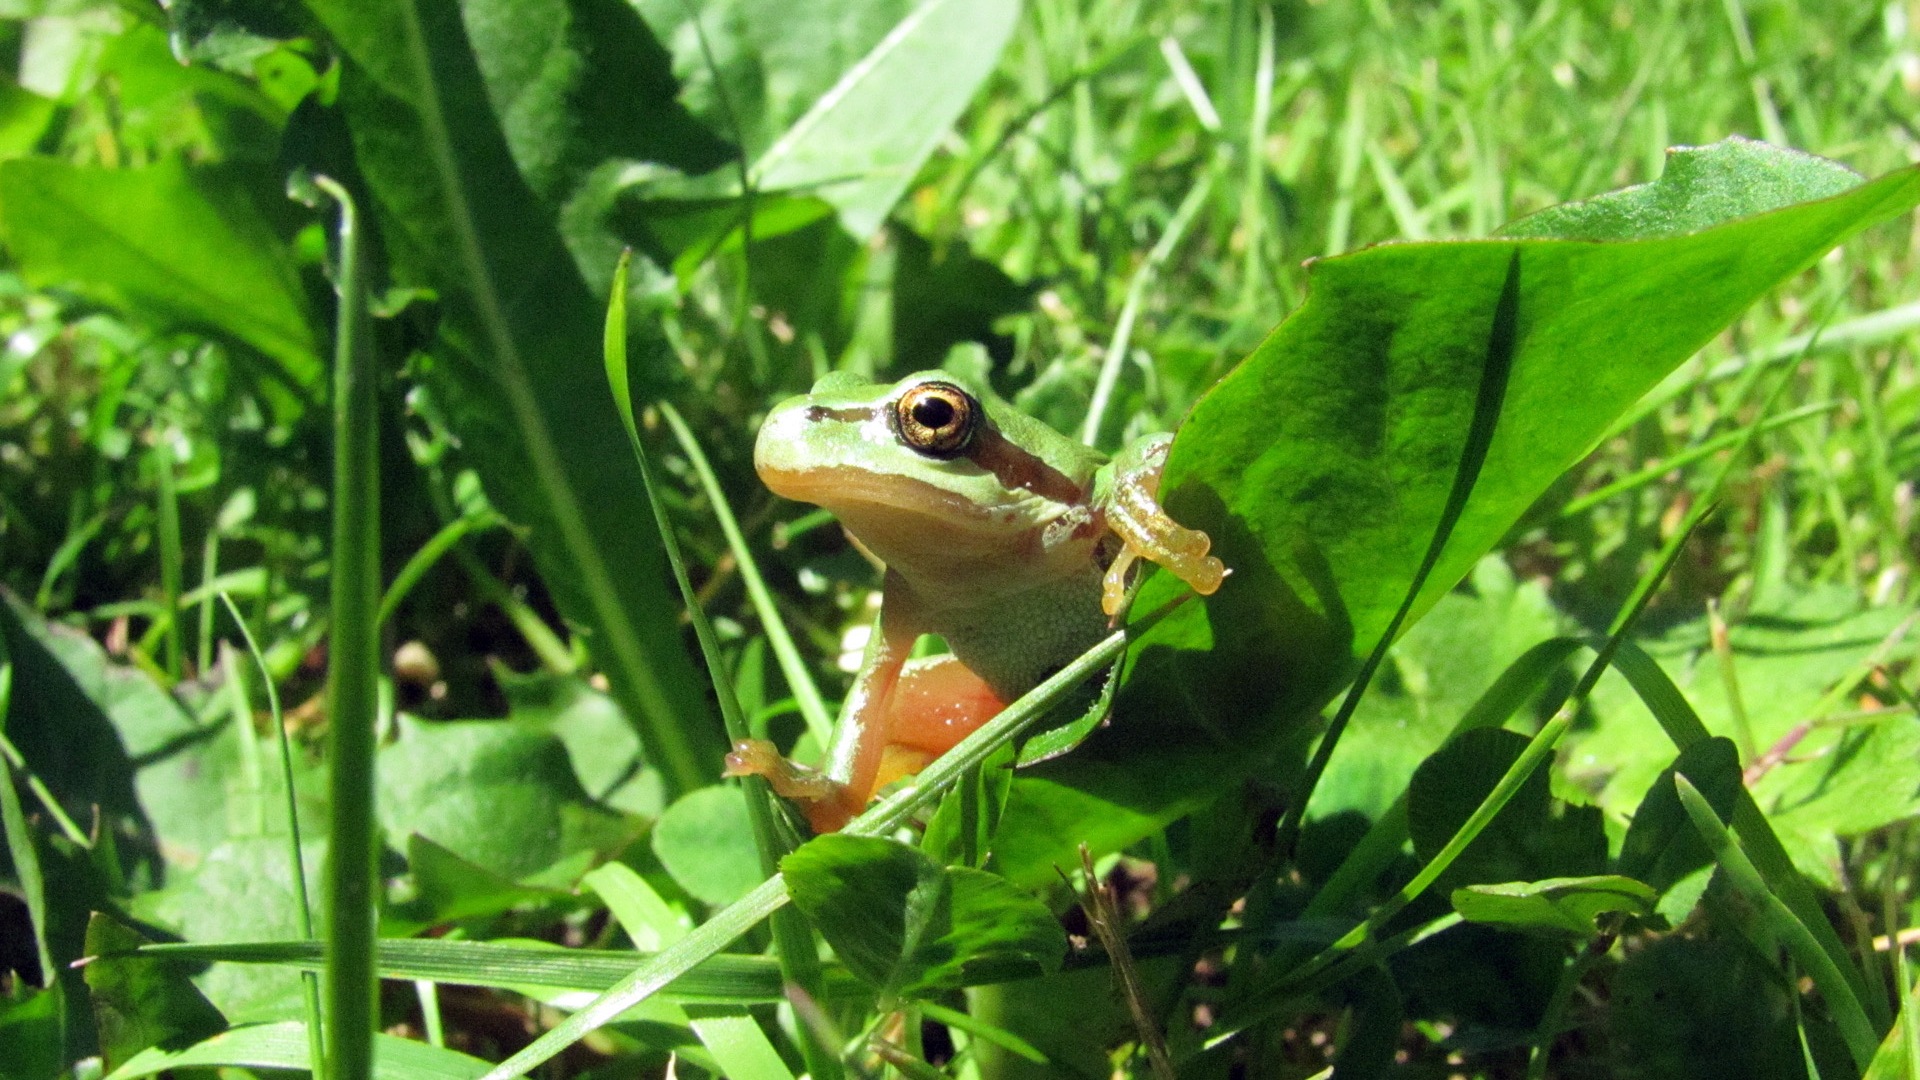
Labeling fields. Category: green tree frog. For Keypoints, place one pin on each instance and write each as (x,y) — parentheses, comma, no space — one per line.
(1009,540)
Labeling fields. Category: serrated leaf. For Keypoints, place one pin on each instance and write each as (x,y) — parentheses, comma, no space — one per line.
(1557,906)
(513,363)
(1700,187)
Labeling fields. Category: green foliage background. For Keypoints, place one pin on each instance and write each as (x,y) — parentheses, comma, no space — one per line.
(1118,201)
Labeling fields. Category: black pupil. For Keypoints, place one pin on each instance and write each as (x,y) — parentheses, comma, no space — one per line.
(933,412)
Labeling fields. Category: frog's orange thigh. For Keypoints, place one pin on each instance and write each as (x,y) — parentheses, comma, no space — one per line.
(936,703)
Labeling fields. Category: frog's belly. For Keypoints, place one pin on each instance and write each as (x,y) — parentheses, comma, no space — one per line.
(1015,640)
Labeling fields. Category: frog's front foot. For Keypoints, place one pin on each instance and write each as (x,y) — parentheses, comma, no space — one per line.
(828,804)
(1135,514)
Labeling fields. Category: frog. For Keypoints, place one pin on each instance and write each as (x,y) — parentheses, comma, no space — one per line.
(1007,539)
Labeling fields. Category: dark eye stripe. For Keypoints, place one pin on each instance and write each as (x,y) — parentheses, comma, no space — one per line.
(850,415)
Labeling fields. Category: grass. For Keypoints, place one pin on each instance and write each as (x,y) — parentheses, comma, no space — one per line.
(1123,212)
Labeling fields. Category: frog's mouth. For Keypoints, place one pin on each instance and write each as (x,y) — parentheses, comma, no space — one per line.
(851,492)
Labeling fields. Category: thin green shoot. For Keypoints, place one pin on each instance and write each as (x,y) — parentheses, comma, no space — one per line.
(167,526)
(1643,477)
(554,653)
(430,554)
(13,823)
(296,859)
(65,556)
(1253,187)
(209,573)
(1352,147)
(1722,643)
(813,708)
(353,669)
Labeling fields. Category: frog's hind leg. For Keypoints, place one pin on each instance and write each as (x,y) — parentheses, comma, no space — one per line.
(936,703)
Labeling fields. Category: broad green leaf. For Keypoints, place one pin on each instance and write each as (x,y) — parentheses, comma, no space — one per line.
(862,143)
(184,246)
(284,1046)
(137,1002)
(1556,906)
(1526,841)
(24,116)
(82,722)
(1662,846)
(583,92)
(239,892)
(905,924)
(705,842)
(599,739)
(1322,464)
(513,365)
(497,794)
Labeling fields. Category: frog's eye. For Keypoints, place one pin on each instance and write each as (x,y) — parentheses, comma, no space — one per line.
(937,419)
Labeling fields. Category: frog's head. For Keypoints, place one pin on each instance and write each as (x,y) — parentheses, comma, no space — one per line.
(920,463)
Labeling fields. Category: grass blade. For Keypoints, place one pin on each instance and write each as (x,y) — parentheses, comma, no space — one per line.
(296,866)
(1834,986)
(799,955)
(812,707)
(724,979)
